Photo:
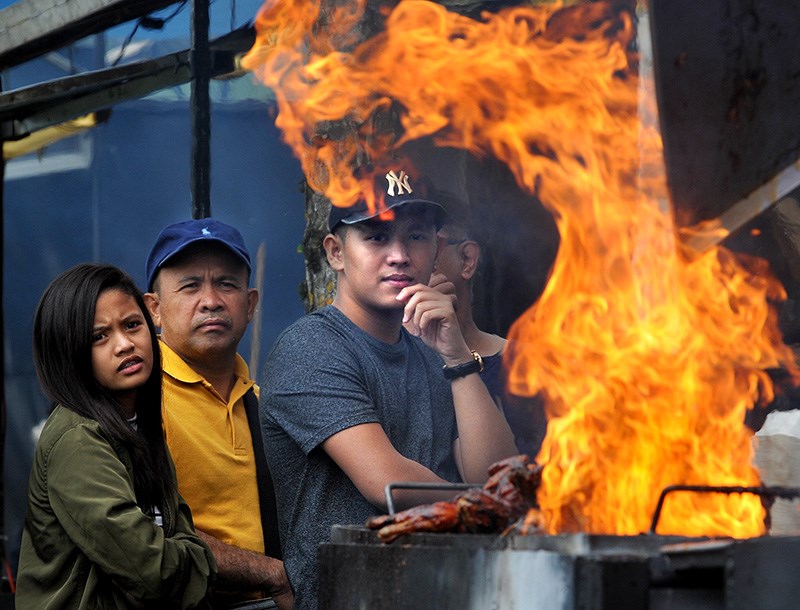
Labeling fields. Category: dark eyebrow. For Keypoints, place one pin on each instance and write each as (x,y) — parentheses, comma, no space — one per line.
(233,277)
(134,315)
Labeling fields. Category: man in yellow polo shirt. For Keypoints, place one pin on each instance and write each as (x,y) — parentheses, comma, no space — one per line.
(198,274)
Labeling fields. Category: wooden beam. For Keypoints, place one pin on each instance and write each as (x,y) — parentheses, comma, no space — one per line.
(29,28)
(106,90)
(25,110)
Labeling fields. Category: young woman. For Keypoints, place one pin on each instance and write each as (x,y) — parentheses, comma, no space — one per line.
(105,526)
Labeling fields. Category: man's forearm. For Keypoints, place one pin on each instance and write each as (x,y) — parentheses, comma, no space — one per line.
(247,570)
(484,436)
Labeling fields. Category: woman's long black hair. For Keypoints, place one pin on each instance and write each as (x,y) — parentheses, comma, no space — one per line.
(62,351)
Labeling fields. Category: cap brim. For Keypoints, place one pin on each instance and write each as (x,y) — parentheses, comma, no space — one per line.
(206,239)
(366,215)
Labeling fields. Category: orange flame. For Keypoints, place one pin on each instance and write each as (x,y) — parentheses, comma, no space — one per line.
(648,360)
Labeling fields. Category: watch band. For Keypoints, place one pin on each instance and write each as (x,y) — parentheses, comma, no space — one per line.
(466,368)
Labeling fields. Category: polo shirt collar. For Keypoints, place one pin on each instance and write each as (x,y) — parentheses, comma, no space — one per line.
(176,367)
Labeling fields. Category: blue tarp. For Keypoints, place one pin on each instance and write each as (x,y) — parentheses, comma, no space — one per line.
(104,196)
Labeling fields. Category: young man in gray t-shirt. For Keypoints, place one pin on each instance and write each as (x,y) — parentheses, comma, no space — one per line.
(352,401)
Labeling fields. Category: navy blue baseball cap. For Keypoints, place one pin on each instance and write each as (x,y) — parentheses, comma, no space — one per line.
(176,237)
(398,191)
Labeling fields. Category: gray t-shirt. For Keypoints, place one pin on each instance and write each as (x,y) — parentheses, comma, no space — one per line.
(325,375)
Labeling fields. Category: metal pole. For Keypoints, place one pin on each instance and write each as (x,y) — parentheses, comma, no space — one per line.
(200,111)
(4,578)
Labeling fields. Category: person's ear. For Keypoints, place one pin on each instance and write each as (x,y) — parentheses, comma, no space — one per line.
(470,254)
(152,303)
(333,251)
(252,301)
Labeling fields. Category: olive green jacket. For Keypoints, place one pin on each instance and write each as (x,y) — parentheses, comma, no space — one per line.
(87,545)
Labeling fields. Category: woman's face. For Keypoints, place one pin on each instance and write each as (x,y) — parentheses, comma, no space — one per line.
(122,351)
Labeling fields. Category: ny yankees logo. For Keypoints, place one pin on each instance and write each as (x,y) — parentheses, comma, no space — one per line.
(400,182)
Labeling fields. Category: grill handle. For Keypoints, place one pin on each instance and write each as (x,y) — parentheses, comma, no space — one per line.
(786,493)
(409,485)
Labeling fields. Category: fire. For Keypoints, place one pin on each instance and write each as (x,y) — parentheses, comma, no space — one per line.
(648,359)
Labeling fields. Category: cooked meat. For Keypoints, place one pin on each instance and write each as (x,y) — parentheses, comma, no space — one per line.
(506,496)
(481,512)
(437,517)
(516,481)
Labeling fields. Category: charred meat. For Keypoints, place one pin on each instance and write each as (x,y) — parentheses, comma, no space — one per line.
(436,517)
(506,496)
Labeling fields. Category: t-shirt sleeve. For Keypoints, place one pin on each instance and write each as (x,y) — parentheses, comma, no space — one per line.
(314,385)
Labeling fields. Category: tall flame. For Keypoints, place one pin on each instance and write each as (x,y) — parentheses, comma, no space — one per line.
(648,359)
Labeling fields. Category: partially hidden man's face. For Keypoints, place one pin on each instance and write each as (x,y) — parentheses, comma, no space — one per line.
(202,302)
(451,254)
(377,259)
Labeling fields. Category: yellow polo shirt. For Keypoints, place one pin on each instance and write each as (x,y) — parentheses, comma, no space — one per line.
(210,442)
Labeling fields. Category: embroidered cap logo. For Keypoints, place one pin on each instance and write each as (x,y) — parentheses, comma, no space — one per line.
(399,182)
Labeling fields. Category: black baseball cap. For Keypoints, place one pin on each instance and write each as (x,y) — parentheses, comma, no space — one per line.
(398,191)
